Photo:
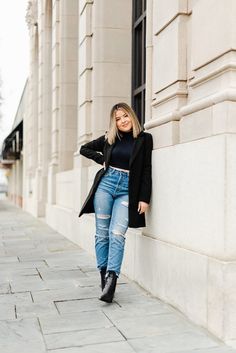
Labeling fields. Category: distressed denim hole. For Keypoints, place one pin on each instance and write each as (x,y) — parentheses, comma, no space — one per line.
(122,225)
(103,216)
(102,228)
(117,233)
(125,203)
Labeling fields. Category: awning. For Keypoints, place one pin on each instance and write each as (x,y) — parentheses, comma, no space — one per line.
(13,144)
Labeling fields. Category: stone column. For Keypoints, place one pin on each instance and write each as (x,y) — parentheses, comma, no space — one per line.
(53,166)
(104,71)
(111,78)
(31,122)
(104,79)
(64,90)
(68,83)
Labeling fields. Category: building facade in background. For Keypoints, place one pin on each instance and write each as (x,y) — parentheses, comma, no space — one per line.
(174,61)
(12,154)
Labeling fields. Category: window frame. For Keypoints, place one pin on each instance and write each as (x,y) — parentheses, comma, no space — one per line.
(139,59)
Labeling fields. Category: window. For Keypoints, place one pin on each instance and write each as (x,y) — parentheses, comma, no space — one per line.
(139,58)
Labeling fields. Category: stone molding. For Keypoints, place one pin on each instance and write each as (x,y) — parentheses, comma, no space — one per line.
(225,95)
(231,66)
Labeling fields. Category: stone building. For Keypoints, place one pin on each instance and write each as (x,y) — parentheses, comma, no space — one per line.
(12,157)
(174,61)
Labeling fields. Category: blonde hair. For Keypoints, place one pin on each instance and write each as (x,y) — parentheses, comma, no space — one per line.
(113,132)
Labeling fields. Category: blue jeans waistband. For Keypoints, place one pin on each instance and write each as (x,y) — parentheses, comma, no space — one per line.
(115,170)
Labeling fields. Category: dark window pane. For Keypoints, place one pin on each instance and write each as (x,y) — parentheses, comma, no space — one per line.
(137,8)
(143,107)
(144,51)
(144,5)
(138,56)
(138,105)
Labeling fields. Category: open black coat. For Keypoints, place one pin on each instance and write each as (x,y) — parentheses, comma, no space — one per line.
(140,176)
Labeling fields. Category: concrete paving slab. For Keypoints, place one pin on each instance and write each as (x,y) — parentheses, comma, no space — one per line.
(54,274)
(89,281)
(21,265)
(8,259)
(82,338)
(76,306)
(65,294)
(23,335)
(16,298)
(4,288)
(74,322)
(121,312)
(182,342)
(35,310)
(61,283)
(221,349)
(58,245)
(7,312)
(63,264)
(20,242)
(114,347)
(27,284)
(148,325)
(9,274)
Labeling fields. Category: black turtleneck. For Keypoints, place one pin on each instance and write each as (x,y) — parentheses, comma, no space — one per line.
(122,150)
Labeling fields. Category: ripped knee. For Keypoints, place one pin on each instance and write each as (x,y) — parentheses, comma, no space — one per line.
(118,233)
(103,216)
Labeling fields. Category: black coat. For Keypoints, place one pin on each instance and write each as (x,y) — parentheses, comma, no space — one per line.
(140,176)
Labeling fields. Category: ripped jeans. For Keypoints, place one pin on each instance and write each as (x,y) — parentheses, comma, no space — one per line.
(111,212)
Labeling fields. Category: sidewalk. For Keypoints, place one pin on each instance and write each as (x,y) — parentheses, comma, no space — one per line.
(48,301)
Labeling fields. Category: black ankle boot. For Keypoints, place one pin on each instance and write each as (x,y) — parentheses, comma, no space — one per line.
(110,287)
(103,277)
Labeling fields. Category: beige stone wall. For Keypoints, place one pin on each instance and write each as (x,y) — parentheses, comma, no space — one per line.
(187,253)
(189,239)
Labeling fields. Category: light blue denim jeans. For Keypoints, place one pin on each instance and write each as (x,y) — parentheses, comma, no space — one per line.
(111,212)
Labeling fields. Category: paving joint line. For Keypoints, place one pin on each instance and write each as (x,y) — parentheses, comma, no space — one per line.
(113,324)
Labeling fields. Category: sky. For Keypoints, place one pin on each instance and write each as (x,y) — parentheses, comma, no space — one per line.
(14,59)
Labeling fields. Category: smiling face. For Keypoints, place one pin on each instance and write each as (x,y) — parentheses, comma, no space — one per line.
(123,120)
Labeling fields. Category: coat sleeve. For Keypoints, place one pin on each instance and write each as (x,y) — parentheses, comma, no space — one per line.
(94,150)
(146,180)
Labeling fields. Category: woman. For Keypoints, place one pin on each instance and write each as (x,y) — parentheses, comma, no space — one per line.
(121,191)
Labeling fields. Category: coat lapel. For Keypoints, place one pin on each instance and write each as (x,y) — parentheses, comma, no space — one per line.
(108,153)
(137,145)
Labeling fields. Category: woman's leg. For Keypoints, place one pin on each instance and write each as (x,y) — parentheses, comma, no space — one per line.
(103,203)
(117,230)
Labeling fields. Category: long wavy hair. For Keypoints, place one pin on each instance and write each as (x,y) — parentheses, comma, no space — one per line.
(113,132)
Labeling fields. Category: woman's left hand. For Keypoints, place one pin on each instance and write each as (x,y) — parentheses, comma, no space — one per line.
(142,207)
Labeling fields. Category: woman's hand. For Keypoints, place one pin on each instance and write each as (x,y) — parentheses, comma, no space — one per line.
(142,207)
